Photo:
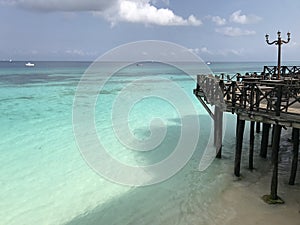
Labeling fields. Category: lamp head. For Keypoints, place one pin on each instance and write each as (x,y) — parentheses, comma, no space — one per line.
(267,37)
(279,34)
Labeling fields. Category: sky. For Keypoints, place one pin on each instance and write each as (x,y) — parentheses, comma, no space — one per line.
(83,30)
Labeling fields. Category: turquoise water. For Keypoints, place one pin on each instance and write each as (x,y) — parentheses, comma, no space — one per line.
(44,178)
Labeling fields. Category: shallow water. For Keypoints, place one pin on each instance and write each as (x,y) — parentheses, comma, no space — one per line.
(44,178)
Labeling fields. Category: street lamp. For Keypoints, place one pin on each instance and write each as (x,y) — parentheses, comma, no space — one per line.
(279,42)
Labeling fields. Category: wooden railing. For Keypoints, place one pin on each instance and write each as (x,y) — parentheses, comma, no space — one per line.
(252,95)
(285,71)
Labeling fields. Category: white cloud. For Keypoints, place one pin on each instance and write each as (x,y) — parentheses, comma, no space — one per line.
(229,52)
(205,52)
(200,50)
(78,52)
(143,12)
(236,17)
(234,31)
(218,20)
(134,11)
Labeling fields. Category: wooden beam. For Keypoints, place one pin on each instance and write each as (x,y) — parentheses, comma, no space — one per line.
(257,127)
(295,156)
(251,150)
(239,146)
(265,140)
(218,131)
(275,150)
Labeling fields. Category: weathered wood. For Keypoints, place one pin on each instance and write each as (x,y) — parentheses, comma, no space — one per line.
(257,127)
(275,150)
(251,150)
(278,100)
(265,140)
(259,101)
(239,146)
(273,131)
(218,131)
(295,156)
(237,128)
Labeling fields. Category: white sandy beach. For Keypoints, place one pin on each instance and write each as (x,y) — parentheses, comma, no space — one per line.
(242,199)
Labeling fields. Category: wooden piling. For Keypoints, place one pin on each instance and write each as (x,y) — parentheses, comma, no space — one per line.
(257,127)
(275,150)
(295,155)
(265,140)
(257,100)
(272,139)
(251,150)
(239,146)
(254,100)
(218,131)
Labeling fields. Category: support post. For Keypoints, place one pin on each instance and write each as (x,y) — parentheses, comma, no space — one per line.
(275,150)
(257,127)
(295,155)
(237,129)
(218,131)
(273,130)
(265,140)
(257,101)
(239,146)
(251,150)
(273,198)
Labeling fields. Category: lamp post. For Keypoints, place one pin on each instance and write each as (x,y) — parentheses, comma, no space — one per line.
(278,42)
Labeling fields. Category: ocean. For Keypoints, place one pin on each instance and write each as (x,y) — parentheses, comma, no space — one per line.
(47,177)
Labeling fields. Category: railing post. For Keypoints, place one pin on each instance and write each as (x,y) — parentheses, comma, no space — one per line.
(233,93)
(257,102)
(251,96)
(278,102)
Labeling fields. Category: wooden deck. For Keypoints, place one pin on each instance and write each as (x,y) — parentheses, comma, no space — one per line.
(255,99)
(258,99)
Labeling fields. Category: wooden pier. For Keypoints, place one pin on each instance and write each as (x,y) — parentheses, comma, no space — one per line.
(260,99)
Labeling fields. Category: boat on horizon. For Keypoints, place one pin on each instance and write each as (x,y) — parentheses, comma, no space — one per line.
(29,64)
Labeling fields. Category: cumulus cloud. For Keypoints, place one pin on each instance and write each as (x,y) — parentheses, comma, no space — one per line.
(237,17)
(234,31)
(201,50)
(134,11)
(218,20)
(144,12)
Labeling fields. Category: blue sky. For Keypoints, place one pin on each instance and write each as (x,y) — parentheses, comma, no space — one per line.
(216,30)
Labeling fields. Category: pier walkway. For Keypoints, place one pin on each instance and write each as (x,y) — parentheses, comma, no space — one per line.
(260,99)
